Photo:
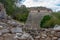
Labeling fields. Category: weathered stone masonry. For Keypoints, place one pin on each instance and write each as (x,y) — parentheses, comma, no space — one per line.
(35,16)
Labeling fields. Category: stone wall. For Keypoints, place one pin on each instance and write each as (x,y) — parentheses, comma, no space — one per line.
(39,9)
(35,17)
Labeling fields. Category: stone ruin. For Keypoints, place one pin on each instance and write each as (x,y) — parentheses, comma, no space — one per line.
(2,12)
(35,16)
(32,25)
(13,30)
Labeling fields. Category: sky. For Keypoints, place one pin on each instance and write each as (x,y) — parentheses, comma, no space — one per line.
(53,4)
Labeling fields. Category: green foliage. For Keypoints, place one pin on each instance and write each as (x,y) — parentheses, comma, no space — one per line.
(56,17)
(50,21)
(56,14)
(9,6)
(21,17)
(44,20)
(19,14)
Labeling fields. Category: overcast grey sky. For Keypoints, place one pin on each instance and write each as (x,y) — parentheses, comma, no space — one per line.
(53,4)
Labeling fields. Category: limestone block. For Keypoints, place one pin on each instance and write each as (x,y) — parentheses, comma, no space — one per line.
(54,38)
(1,38)
(16,30)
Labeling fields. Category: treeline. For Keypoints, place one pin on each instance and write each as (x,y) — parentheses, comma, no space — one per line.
(17,13)
(49,21)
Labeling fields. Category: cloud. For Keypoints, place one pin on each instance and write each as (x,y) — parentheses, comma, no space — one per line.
(53,4)
(57,4)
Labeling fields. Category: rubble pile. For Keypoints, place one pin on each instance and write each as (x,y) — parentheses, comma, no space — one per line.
(44,34)
(11,29)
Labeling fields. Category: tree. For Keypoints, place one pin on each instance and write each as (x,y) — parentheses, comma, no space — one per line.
(15,12)
(21,14)
(10,6)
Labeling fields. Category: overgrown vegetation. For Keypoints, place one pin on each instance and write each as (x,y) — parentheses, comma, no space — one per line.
(9,6)
(44,20)
(17,13)
(22,14)
(50,21)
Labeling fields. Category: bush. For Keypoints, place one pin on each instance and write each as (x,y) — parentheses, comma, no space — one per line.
(22,14)
(44,20)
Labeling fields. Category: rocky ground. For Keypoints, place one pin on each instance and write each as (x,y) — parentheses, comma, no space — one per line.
(11,30)
(44,34)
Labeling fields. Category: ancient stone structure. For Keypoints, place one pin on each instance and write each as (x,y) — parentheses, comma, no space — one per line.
(2,11)
(35,16)
(11,29)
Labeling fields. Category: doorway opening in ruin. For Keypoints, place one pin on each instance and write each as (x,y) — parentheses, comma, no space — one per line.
(38,10)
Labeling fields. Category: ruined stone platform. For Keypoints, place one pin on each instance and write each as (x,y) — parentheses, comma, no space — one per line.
(12,30)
